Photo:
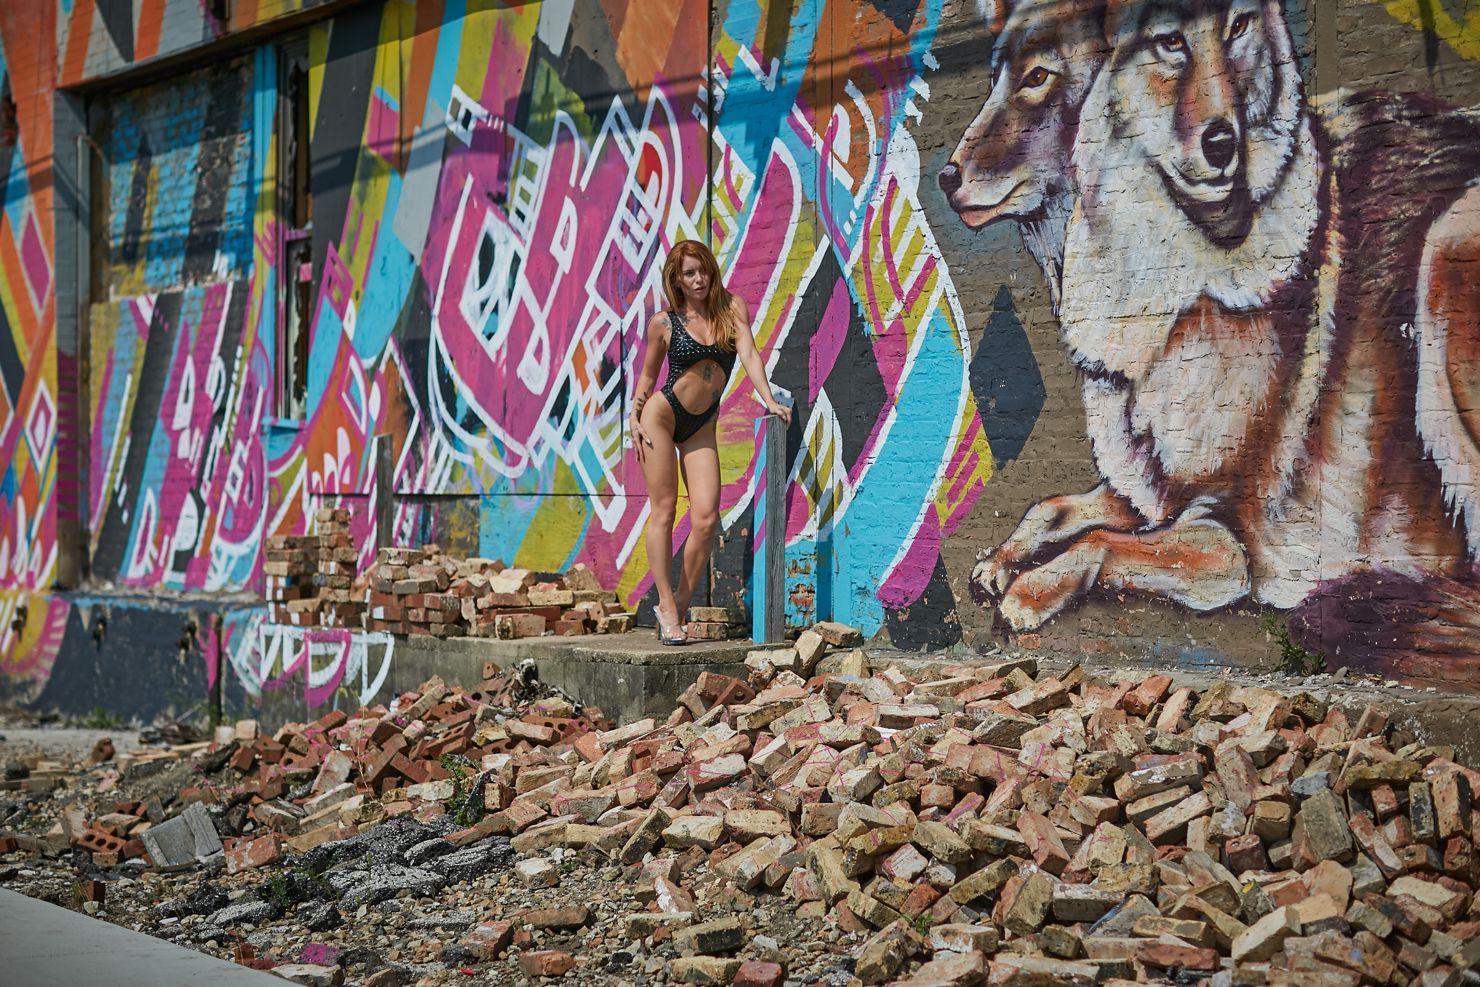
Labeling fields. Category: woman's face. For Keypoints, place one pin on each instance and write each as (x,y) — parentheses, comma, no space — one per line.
(694,279)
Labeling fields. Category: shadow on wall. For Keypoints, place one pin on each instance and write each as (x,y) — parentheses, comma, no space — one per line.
(74,655)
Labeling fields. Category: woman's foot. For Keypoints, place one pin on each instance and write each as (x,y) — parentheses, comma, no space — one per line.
(670,633)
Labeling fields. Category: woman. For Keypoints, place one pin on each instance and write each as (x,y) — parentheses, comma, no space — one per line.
(704,329)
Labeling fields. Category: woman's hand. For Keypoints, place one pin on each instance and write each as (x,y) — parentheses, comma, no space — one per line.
(640,441)
(780,411)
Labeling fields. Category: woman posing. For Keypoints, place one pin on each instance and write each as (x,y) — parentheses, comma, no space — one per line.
(704,329)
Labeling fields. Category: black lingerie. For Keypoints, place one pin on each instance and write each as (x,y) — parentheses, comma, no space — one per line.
(684,351)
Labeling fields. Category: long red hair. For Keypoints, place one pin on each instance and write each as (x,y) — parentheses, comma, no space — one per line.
(720,303)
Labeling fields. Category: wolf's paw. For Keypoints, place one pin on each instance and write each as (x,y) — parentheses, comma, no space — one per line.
(1038,594)
(990,578)
(1020,614)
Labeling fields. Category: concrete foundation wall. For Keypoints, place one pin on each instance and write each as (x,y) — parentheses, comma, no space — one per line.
(1112,328)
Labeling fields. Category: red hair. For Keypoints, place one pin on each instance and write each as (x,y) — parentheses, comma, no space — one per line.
(720,303)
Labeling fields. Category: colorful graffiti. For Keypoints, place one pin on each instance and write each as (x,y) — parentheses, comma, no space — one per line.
(326,664)
(29,410)
(1275,379)
(429,232)
(179,376)
(484,302)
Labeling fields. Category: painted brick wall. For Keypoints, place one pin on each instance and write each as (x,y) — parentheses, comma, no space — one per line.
(175,454)
(179,181)
(1077,364)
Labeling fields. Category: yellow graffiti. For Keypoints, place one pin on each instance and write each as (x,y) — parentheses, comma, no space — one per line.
(1462,36)
(558,523)
(26,620)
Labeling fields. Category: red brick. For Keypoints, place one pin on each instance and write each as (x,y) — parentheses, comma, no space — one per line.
(1144,697)
(1245,853)
(759,973)
(546,963)
(488,940)
(246,854)
(920,900)
(1184,957)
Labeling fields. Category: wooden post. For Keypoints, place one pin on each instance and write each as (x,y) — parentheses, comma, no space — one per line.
(385,491)
(768,565)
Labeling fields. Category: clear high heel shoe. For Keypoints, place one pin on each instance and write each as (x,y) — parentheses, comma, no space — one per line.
(670,635)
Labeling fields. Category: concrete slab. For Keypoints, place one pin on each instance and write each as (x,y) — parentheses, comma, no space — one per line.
(629,676)
(42,945)
(189,836)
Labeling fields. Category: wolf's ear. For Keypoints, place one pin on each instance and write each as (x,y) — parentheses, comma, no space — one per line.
(993,14)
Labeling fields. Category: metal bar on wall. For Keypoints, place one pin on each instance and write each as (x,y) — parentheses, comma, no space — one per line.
(385,480)
(768,576)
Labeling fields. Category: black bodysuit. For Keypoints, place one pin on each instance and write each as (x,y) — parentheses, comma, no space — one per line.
(684,351)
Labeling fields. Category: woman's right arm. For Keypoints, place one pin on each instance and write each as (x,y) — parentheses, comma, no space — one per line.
(652,360)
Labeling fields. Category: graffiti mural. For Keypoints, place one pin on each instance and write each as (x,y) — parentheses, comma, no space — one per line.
(179,380)
(484,303)
(1276,379)
(29,407)
(328,236)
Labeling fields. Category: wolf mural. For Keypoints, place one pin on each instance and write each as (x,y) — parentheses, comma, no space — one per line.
(1273,308)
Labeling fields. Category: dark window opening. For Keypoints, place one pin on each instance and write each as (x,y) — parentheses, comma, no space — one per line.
(10,128)
(296,209)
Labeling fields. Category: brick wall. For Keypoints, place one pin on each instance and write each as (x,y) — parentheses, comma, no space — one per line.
(1108,335)
(173,423)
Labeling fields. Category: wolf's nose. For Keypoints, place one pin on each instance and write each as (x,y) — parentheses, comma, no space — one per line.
(950,179)
(1219,143)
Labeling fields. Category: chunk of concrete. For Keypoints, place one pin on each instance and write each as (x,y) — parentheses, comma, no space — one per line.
(188,837)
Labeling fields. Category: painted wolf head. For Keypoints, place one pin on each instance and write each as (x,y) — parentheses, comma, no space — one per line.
(1013,160)
(1209,92)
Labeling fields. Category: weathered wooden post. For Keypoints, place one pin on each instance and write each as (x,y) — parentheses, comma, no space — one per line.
(385,491)
(768,576)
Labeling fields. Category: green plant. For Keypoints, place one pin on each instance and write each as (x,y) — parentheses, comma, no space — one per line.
(101,719)
(466,804)
(311,874)
(921,923)
(1294,659)
(277,891)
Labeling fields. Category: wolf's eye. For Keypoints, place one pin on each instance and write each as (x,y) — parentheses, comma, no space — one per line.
(1172,41)
(1037,77)
(1240,26)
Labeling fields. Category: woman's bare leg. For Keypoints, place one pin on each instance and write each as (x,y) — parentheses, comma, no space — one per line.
(700,457)
(660,469)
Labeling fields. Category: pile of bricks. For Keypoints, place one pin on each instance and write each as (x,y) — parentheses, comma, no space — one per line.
(342,594)
(288,570)
(1001,824)
(311,582)
(359,770)
(1017,828)
(381,762)
(422,591)
(311,579)
(708,624)
(123,831)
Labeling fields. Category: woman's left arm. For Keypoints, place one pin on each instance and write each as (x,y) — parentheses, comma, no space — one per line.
(750,359)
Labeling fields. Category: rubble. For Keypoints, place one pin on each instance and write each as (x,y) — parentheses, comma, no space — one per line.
(982,823)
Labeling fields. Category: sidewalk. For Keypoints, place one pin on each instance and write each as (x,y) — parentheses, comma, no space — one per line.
(42,944)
